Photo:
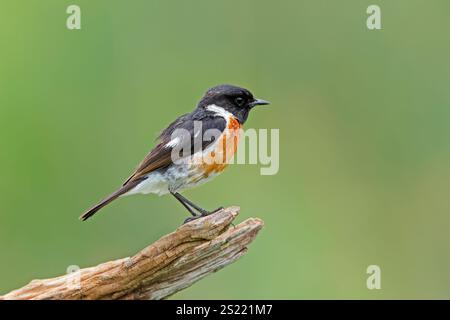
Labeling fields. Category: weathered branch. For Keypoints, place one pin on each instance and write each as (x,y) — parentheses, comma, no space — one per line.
(169,265)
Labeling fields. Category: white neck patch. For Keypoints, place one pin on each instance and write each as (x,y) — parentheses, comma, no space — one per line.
(219,111)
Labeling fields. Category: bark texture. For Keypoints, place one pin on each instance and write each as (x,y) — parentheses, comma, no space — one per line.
(165,267)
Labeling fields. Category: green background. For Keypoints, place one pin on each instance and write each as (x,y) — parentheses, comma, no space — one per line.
(364,138)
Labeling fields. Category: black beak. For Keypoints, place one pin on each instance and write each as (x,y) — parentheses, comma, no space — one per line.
(258,102)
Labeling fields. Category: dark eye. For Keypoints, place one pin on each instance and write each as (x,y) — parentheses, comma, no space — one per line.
(239,101)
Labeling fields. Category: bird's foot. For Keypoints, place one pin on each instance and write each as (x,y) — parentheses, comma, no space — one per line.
(202,214)
(214,211)
(187,220)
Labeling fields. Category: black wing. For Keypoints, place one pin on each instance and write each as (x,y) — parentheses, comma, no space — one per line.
(161,155)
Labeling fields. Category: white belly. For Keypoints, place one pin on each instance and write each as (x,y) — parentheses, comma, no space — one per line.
(177,178)
(155,183)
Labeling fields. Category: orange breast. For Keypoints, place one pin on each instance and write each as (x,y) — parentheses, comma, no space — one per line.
(217,160)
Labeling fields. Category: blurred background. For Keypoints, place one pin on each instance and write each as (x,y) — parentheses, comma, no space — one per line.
(364,138)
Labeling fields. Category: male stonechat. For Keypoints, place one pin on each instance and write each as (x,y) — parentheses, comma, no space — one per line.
(192,150)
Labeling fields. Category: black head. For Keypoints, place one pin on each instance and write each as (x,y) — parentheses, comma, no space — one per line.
(236,100)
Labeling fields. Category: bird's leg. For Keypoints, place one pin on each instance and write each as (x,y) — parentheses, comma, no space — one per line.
(186,203)
(180,198)
(198,208)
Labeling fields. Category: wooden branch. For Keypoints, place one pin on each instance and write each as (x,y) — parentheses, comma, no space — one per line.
(169,265)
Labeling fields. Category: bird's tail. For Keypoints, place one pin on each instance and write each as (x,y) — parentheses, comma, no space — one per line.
(124,189)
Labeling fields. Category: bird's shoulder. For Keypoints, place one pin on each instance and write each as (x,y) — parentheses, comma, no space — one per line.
(190,121)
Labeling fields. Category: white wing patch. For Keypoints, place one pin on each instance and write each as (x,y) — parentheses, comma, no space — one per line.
(172,143)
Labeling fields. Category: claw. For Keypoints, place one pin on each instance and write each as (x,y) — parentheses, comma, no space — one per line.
(218,209)
(187,220)
(203,214)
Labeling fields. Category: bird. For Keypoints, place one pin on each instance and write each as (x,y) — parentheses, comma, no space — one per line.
(192,150)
